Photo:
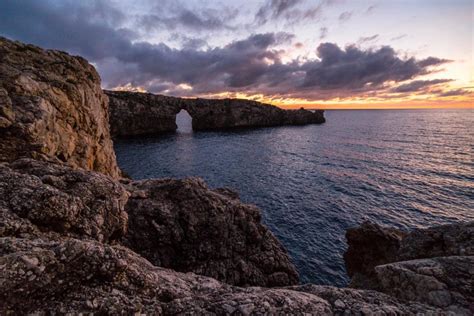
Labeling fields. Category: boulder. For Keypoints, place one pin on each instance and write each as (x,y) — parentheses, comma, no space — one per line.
(51,104)
(39,198)
(183,225)
(444,282)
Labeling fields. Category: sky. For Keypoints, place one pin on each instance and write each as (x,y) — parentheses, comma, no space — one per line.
(290,53)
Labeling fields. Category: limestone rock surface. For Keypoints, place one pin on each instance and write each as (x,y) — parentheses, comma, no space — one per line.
(444,282)
(51,104)
(39,197)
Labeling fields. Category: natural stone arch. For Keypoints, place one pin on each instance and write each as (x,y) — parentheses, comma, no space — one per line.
(184,121)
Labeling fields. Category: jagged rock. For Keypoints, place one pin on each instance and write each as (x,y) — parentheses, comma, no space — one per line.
(347,301)
(73,276)
(370,245)
(38,197)
(444,282)
(133,113)
(51,104)
(440,241)
(183,225)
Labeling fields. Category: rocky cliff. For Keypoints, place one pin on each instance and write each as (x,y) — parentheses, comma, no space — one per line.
(52,105)
(74,240)
(133,113)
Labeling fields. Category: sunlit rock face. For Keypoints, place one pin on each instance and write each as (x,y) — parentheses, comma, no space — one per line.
(134,113)
(52,105)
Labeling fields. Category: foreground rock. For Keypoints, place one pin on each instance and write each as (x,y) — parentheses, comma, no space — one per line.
(444,282)
(51,104)
(46,269)
(74,276)
(40,198)
(133,113)
(183,225)
(433,266)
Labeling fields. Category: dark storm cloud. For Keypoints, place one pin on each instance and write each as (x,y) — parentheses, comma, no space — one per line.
(91,29)
(251,65)
(354,68)
(418,85)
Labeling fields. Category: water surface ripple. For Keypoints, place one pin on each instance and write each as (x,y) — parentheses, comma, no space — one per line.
(408,168)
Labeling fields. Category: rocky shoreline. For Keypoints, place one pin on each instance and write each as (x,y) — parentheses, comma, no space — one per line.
(134,113)
(76,237)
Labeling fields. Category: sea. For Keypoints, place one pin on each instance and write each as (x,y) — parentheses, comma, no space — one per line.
(400,168)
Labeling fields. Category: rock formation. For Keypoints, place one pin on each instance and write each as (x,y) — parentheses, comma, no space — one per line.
(51,104)
(65,229)
(183,225)
(433,265)
(133,113)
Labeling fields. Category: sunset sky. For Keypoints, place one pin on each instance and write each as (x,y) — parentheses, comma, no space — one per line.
(311,53)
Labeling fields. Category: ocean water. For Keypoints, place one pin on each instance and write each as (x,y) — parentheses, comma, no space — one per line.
(403,168)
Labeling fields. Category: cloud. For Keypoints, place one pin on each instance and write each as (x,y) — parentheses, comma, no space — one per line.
(323,32)
(345,16)
(418,85)
(453,93)
(399,37)
(181,17)
(256,64)
(289,11)
(91,29)
(363,40)
(354,68)
(371,9)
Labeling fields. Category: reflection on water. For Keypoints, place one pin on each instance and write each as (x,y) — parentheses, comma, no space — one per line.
(400,168)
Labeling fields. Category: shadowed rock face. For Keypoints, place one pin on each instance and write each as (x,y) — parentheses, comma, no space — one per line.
(370,245)
(133,113)
(433,265)
(51,104)
(183,225)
